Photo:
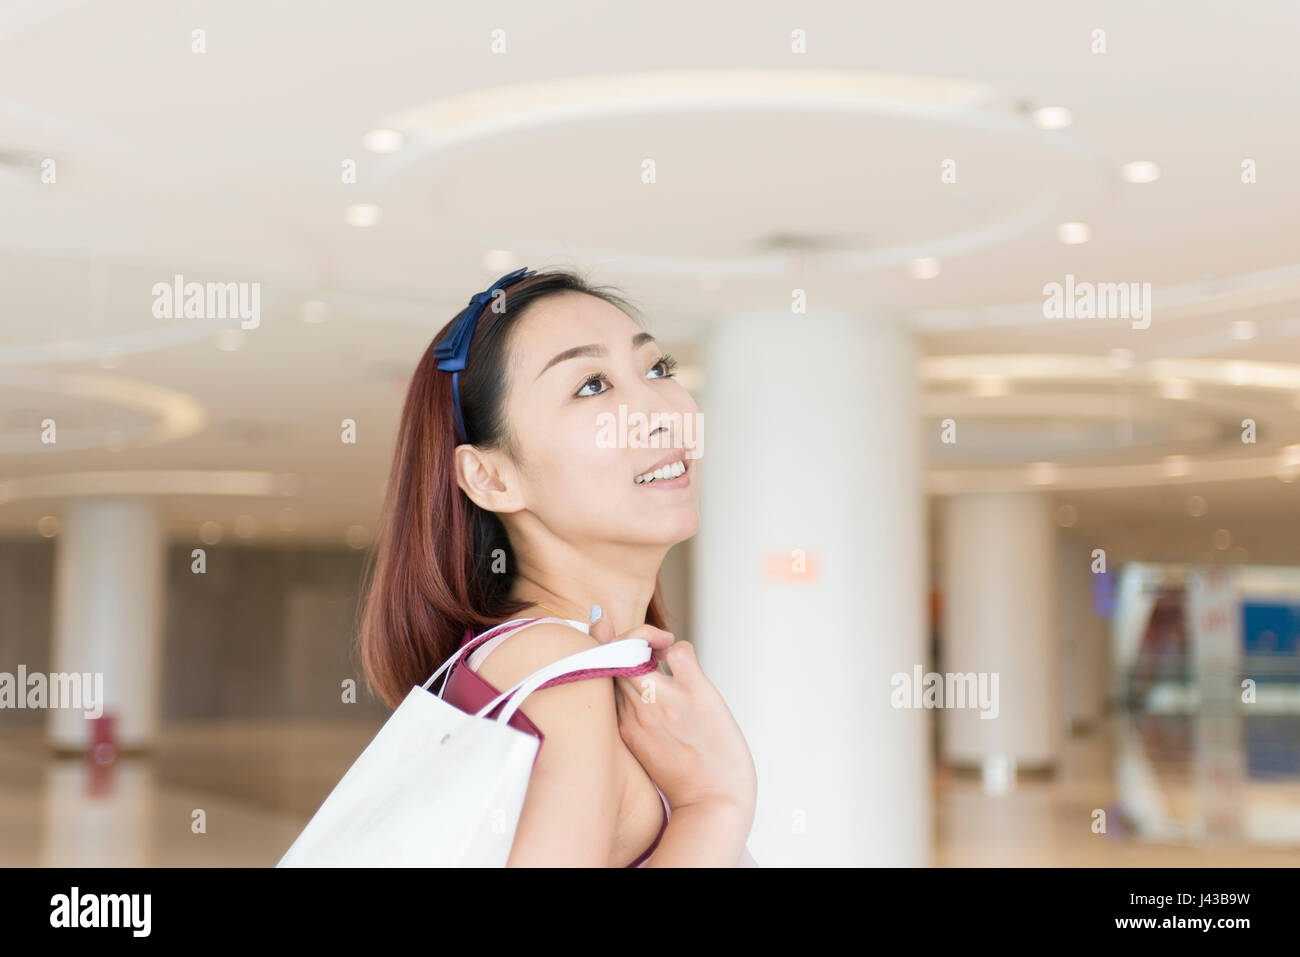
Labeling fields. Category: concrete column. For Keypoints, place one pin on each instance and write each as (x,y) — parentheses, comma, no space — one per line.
(1000,618)
(809,580)
(108,601)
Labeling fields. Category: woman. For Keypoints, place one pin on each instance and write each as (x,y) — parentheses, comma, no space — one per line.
(508,501)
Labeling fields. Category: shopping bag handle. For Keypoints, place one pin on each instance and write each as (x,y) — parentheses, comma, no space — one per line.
(627,657)
(473,642)
(464,650)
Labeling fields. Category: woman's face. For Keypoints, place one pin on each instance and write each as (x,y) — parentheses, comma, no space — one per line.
(574,361)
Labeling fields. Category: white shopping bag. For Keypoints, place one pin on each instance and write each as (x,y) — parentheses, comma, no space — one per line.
(437,786)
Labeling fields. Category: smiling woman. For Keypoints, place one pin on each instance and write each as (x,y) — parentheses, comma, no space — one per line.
(506,496)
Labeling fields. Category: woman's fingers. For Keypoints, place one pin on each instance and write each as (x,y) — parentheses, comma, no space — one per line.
(681,659)
(685,668)
(659,639)
(602,629)
(643,689)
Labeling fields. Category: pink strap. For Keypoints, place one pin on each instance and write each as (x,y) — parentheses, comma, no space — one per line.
(643,669)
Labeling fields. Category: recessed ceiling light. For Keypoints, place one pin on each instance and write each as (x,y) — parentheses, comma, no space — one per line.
(1072,234)
(1141,171)
(1197,506)
(382,141)
(1243,329)
(361,214)
(1052,118)
(924,268)
(1066,516)
(1221,538)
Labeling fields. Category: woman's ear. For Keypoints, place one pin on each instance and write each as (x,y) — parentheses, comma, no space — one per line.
(487,478)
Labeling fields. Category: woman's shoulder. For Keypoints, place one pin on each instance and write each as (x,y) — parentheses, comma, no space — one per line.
(584,758)
(524,649)
(579,718)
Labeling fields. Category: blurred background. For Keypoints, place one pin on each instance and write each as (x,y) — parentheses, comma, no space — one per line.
(993,312)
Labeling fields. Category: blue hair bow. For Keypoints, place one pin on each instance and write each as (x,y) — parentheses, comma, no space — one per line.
(453,350)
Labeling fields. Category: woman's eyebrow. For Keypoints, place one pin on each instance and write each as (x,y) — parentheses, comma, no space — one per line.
(638,340)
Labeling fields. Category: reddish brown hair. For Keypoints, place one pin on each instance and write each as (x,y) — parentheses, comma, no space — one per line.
(430,570)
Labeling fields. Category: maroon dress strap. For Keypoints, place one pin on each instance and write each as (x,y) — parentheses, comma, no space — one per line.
(644,856)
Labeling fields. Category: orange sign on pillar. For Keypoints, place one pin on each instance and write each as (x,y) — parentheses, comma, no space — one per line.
(796,565)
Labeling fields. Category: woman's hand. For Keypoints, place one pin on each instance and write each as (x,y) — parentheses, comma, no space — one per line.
(680,729)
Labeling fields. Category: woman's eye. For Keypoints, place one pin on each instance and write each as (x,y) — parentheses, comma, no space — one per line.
(668,363)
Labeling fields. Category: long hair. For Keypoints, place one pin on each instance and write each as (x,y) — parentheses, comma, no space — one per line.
(431,571)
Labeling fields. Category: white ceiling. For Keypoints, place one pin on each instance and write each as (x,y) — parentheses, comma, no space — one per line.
(225,166)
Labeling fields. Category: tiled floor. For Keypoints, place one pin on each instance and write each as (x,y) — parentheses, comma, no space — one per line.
(252,786)
(1149,775)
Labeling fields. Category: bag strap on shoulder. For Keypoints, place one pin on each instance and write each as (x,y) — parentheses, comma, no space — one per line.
(639,661)
(467,646)
(626,657)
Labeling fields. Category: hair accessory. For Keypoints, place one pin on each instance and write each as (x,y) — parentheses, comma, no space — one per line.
(453,350)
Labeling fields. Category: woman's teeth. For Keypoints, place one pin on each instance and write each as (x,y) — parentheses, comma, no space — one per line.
(667,472)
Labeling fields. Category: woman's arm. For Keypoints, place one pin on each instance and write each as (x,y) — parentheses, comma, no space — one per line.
(571,812)
(710,834)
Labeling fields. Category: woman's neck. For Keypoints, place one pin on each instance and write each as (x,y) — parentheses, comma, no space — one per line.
(623,585)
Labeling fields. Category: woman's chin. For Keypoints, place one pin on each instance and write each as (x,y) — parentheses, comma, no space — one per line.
(685,527)
(669,529)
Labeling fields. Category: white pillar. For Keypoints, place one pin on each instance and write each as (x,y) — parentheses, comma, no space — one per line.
(811,443)
(108,599)
(1000,619)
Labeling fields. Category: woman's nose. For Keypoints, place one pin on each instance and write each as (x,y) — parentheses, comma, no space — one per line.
(661,418)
